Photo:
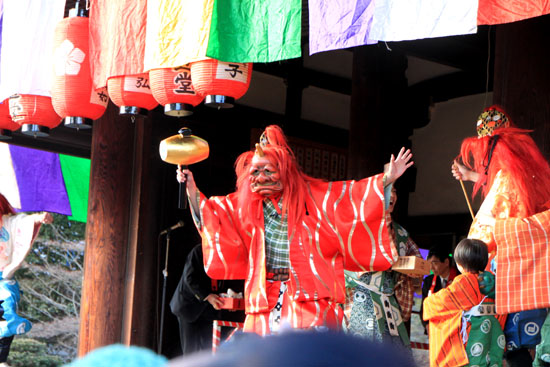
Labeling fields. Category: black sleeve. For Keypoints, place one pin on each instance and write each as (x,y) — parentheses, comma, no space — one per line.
(194,276)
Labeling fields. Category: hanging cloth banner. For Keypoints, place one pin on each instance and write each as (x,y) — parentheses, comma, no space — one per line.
(506,11)
(1,22)
(339,24)
(398,20)
(117,38)
(35,180)
(255,30)
(177,32)
(28,28)
(76,174)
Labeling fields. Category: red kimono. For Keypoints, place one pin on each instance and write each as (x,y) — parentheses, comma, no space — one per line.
(345,228)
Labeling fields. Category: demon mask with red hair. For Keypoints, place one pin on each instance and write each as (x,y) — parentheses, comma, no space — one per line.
(500,146)
(271,172)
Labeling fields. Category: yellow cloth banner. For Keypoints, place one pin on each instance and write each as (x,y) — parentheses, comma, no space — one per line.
(177,32)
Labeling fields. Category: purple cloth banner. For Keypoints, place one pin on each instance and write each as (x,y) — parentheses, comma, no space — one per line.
(39,176)
(339,24)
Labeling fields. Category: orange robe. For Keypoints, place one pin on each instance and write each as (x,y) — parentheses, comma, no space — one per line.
(523,274)
(443,310)
(520,243)
(501,202)
(346,228)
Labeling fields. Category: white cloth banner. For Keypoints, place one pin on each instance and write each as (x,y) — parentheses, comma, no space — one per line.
(8,181)
(400,20)
(27,46)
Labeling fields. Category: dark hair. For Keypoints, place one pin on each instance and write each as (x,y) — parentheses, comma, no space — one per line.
(472,255)
(299,348)
(441,252)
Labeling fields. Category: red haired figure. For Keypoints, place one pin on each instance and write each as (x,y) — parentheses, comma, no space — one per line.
(17,233)
(290,236)
(513,177)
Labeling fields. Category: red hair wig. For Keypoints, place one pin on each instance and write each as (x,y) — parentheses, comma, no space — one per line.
(5,206)
(516,154)
(294,181)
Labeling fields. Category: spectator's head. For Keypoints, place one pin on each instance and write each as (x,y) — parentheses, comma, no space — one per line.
(440,260)
(299,348)
(471,256)
(117,355)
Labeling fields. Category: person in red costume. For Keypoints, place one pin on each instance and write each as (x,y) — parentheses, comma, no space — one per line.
(290,236)
(507,167)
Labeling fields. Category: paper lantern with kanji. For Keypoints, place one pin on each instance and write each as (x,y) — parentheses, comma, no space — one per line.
(173,88)
(220,82)
(6,123)
(132,93)
(35,114)
(73,95)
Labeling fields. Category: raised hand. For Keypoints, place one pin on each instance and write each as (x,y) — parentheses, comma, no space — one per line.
(398,165)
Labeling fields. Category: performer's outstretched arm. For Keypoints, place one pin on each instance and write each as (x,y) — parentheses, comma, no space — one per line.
(22,248)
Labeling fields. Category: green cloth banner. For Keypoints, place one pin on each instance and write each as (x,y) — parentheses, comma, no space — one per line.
(76,174)
(255,30)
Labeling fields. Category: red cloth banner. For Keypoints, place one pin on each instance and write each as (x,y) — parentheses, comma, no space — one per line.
(507,11)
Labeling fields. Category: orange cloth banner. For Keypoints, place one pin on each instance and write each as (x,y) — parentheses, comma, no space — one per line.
(117,38)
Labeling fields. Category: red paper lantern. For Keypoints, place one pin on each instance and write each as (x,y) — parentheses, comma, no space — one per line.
(221,82)
(73,95)
(6,123)
(35,114)
(173,88)
(131,93)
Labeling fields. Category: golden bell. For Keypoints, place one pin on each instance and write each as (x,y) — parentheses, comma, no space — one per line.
(184,148)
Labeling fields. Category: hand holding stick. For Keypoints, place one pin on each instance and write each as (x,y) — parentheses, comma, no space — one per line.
(459,171)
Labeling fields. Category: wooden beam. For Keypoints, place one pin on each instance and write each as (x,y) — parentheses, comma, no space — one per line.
(449,86)
(466,52)
(62,139)
(307,77)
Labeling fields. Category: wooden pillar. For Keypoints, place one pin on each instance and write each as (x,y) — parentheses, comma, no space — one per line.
(143,259)
(380,123)
(294,89)
(522,76)
(119,258)
(378,120)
